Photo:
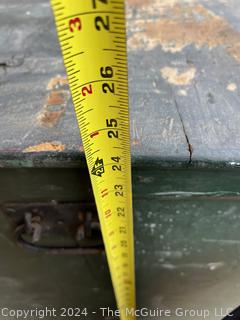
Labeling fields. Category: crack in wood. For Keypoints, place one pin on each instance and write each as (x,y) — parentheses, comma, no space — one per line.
(190,147)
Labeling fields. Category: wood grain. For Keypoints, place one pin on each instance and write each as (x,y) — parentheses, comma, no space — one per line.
(184,62)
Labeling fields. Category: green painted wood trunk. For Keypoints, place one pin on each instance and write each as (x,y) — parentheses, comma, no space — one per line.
(184,103)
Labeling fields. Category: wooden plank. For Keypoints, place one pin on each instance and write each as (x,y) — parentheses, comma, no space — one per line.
(183,77)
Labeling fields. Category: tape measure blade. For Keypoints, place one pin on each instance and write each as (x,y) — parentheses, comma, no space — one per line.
(93,43)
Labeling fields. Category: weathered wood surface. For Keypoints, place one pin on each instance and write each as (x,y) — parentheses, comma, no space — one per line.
(184,77)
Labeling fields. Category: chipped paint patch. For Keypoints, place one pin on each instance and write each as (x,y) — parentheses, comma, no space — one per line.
(232,87)
(136,134)
(56,102)
(45,147)
(152,6)
(175,77)
(180,24)
(139,3)
(182,93)
(57,82)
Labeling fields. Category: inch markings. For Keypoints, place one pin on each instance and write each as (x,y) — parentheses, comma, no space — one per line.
(92,36)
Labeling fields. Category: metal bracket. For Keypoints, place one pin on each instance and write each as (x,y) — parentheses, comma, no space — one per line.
(55,228)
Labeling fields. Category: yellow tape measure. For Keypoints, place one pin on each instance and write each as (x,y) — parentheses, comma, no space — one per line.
(93,41)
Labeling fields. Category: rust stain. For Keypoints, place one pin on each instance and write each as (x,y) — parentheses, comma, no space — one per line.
(56,102)
(45,147)
(173,76)
(180,24)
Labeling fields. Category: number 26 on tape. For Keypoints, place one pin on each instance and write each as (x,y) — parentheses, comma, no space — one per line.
(75,24)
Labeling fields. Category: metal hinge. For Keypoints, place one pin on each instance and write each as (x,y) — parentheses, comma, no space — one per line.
(55,228)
